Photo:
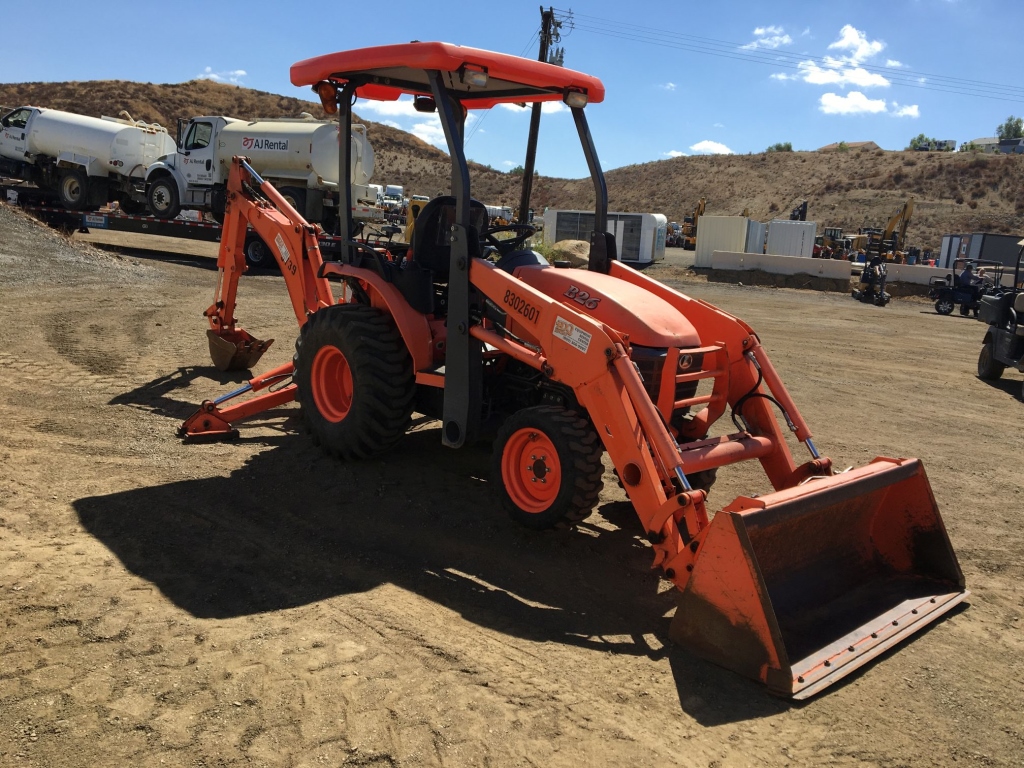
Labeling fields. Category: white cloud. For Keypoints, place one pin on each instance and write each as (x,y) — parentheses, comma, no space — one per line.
(668,86)
(845,68)
(857,44)
(718,125)
(835,74)
(893,63)
(674,153)
(806,32)
(907,110)
(509,163)
(768,37)
(707,147)
(402,115)
(231,76)
(853,103)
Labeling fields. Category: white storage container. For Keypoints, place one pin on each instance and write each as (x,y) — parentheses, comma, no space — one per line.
(791,238)
(719,233)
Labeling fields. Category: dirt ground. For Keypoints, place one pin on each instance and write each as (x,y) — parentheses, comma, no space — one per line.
(259,604)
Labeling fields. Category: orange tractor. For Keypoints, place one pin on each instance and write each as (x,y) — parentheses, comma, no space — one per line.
(796,587)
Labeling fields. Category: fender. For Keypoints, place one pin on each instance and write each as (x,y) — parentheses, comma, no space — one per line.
(166,166)
(413,326)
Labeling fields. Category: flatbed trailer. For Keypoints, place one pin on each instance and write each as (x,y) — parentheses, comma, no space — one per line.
(40,204)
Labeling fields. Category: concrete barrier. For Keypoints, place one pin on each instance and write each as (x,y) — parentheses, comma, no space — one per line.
(781,265)
(833,269)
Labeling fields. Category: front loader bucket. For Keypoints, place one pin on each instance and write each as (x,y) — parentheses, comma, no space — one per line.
(235,350)
(800,587)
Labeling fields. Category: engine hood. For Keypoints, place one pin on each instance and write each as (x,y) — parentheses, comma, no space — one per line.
(649,320)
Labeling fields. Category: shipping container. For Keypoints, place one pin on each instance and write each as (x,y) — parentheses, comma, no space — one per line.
(639,237)
(948,251)
(791,238)
(985,245)
(719,233)
(756,233)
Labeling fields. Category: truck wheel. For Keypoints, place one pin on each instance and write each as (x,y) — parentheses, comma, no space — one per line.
(257,254)
(944,306)
(163,198)
(989,368)
(296,197)
(355,380)
(73,189)
(547,467)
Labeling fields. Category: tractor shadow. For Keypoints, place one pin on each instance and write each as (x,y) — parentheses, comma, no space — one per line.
(294,526)
(157,396)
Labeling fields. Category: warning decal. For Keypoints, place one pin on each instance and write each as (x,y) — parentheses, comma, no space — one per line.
(282,248)
(570,334)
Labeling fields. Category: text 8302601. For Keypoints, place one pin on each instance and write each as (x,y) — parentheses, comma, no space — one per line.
(521,306)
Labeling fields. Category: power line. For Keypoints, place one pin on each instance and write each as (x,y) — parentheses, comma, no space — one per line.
(478,123)
(793,61)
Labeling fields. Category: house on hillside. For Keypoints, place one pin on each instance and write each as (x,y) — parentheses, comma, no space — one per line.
(990,144)
(849,145)
(1011,146)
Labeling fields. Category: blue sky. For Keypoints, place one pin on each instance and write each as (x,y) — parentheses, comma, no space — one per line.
(682,77)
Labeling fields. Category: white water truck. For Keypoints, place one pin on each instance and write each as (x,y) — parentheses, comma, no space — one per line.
(298,156)
(87,161)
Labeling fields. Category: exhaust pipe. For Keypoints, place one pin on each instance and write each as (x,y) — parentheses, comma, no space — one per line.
(801,587)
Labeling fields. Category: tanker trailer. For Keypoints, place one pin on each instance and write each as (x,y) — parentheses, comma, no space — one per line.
(298,156)
(87,161)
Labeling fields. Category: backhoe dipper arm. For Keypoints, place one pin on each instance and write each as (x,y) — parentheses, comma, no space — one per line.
(253,202)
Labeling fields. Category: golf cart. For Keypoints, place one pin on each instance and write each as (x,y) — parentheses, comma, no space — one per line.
(948,291)
(1003,346)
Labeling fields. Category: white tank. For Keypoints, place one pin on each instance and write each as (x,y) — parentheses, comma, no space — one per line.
(125,147)
(294,149)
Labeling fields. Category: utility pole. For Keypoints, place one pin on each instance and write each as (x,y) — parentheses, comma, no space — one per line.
(549,28)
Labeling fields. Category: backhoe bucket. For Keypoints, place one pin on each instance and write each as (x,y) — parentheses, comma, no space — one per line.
(800,587)
(235,350)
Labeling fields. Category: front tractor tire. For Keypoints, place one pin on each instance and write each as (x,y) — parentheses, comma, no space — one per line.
(355,381)
(944,306)
(162,197)
(547,467)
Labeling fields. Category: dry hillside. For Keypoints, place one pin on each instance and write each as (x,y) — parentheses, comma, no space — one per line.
(953,192)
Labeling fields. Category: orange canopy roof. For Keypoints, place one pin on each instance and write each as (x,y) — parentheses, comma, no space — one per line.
(383,73)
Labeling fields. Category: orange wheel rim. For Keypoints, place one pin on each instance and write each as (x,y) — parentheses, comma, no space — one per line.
(331,382)
(530,470)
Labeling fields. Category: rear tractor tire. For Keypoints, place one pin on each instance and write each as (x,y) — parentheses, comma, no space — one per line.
(355,381)
(944,307)
(989,368)
(547,467)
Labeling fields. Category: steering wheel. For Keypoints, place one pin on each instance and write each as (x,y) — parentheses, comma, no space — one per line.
(505,247)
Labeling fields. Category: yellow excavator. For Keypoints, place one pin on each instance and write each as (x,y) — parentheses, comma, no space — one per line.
(891,241)
(689,228)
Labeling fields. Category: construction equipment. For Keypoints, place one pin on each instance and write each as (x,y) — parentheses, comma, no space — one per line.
(1003,311)
(891,241)
(689,227)
(796,587)
(799,213)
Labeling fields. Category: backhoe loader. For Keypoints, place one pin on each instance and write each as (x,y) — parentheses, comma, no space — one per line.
(796,588)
